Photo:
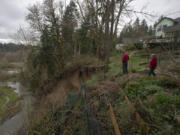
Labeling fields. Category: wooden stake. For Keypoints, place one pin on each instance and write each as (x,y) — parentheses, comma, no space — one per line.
(144,126)
(114,121)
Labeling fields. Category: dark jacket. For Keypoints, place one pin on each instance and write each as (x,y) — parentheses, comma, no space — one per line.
(153,62)
(125,58)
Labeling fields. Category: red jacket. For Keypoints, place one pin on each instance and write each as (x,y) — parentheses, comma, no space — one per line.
(153,63)
(125,57)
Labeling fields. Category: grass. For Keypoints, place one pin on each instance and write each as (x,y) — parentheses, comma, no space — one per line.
(159,102)
(157,106)
(160,96)
(10,66)
(5,67)
(115,66)
(7,99)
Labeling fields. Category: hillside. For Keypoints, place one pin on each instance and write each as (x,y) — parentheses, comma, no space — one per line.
(79,104)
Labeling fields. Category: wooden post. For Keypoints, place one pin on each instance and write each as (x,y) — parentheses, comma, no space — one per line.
(114,121)
(144,126)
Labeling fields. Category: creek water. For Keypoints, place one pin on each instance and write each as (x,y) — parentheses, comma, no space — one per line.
(13,71)
(19,121)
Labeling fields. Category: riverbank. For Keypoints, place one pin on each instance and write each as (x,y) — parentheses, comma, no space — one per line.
(15,101)
(9,103)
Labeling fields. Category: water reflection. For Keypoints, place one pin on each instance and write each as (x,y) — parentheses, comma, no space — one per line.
(17,122)
(13,71)
(14,85)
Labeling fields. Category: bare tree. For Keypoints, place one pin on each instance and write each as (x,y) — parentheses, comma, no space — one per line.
(46,15)
(26,37)
(35,17)
(105,17)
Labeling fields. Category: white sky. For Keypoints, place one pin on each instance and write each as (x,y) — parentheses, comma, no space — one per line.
(13,12)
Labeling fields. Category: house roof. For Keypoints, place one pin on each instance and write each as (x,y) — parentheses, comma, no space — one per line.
(177,20)
(174,28)
(165,18)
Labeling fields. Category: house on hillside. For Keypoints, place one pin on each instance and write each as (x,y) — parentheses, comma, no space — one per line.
(167,28)
(167,31)
(174,31)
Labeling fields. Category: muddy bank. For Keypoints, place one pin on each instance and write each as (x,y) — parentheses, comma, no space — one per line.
(70,83)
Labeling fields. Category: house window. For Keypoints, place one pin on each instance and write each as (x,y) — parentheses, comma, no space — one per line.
(159,29)
(164,26)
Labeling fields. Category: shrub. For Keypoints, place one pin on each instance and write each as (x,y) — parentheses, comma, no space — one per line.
(162,98)
(133,89)
(129,47)
(151,89)
(176,92)
(142,88)
(168,81)
(133,70)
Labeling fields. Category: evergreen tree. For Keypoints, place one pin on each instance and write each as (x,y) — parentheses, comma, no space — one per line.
(136,30)
(136,27)
(69,23)
(143,28)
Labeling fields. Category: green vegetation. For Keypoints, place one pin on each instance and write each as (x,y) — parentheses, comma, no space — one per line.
(156,99)
(8,103)
(64,42)
(142,88)
(115,68)
(69,119)
(134,64)
(159,104)
(136,30)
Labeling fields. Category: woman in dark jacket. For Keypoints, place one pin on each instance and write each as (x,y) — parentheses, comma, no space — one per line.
(153,65)
(125,59)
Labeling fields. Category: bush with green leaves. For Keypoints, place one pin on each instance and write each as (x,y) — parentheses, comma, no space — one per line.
(133,70)
(169,82)
(142,88)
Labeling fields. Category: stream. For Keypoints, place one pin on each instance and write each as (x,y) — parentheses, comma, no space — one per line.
(18,122)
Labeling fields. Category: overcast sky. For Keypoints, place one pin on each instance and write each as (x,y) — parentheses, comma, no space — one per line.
(13,12)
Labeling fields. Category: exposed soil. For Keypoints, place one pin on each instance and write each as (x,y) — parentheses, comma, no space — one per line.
(58,96)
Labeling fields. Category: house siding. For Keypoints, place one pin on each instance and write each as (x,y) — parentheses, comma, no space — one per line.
(159,28)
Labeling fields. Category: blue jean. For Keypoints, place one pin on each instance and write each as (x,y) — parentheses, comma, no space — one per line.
(151,72)
(125,67)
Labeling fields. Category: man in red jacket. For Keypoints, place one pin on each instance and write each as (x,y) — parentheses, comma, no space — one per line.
(125,59)
(153,64)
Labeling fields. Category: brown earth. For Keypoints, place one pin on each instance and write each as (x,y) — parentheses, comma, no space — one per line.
(57,97)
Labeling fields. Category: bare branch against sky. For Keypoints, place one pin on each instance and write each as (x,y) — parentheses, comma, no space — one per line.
(13,12)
